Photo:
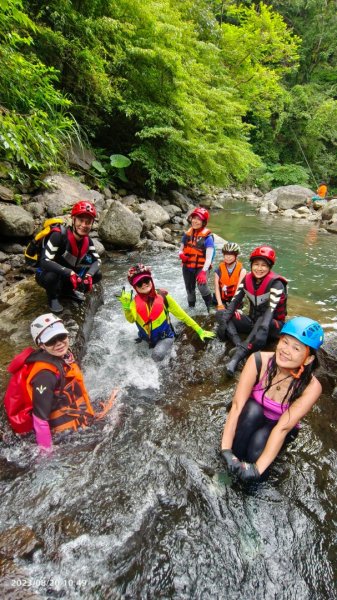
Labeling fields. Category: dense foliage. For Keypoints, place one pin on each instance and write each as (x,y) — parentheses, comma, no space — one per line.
(192,91)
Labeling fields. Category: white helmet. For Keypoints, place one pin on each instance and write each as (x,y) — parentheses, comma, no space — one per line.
(41,324)
(231,248)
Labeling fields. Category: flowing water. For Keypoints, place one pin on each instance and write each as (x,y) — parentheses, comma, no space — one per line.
(141,506)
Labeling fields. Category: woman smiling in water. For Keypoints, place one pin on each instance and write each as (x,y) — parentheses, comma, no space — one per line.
(267,408)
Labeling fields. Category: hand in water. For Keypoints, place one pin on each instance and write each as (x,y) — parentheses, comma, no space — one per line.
(203,334)
(232,461)
(248,472)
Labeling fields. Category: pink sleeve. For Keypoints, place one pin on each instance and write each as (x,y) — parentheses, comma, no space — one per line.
(42,432)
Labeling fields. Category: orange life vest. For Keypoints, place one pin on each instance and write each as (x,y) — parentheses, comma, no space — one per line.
(73,408)
(230,280)
(195,247)
(322,191)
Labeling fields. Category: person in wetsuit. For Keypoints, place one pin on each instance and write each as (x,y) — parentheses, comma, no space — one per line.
(266,292)
(275,391)
(69,264)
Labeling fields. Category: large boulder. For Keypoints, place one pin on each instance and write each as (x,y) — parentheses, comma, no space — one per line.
(329,210)
(289,196)
(63,192)
(119,227)
(154,213)
(15,221)
(184,202)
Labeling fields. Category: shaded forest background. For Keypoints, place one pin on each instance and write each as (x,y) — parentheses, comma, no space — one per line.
(180,92)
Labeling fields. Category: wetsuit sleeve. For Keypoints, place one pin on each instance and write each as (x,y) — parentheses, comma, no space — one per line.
(276,292)
(43,386)
(49,253)
(180,314)
(96,264)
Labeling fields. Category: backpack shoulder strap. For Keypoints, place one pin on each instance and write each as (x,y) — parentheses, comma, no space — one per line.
(258,363)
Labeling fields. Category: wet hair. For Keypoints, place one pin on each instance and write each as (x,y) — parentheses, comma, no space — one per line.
(296,386)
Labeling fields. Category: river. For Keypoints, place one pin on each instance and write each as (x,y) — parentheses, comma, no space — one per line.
(141,506)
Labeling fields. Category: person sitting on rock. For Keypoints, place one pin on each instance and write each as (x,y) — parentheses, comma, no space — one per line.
(267,295)
(150,309)
(275,391)
(69,264)
(228,275)
(196,253)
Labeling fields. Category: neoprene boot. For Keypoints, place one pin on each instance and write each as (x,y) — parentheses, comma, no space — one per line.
(239,355)
(55,305)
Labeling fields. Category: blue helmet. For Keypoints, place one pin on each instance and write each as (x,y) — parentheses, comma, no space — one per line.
(305,330)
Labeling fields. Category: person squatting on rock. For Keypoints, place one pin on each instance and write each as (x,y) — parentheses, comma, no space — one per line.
(55,384)
(267,295)
(228,275)
(150,309)
(69,263)
(196,253)
(275,391)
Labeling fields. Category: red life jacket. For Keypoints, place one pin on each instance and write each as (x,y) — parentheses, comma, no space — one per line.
(259,297)
(230,280)
(195,247)
(73,255)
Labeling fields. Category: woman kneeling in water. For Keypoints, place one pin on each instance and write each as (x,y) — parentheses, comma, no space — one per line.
(267,408)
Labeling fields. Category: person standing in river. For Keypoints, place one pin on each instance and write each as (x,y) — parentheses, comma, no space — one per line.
(150,309)
(69,264)
(267,295)
(196,254)
(275,391)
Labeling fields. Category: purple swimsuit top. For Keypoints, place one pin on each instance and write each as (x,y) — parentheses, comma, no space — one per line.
(271,409)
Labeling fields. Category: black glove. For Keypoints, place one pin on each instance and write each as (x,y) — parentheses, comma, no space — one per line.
(232,462)
(259,340)
(248,472)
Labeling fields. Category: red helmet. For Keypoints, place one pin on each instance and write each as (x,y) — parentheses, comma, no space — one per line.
(138,272)
(265,252)
(84,207)
(200,212)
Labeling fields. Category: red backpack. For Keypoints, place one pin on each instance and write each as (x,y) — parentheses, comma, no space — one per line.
(18,404)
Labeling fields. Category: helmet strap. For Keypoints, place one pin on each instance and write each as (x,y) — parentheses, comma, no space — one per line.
(301,368)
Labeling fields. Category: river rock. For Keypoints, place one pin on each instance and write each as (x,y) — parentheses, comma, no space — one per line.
(154,213)
(64,192)
(289,196)
(263,210)
(304,210)
(120,227)
(158,234)
(36,209)
(15,221)
(184,202)
(18,541)
(289,213)
(173,210)
(329,210)
(6,194)
(331,227)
